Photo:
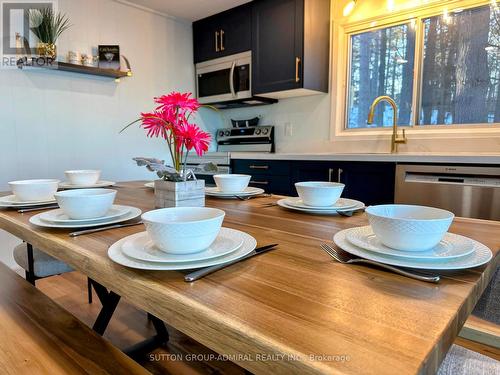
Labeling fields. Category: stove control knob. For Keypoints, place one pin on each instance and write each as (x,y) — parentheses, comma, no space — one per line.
(257,132)
(227,133)
(265,131)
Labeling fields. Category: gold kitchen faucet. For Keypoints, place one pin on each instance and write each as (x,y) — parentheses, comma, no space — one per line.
(395,139)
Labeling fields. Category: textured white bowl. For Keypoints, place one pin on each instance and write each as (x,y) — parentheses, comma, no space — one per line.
(183,230)
(34,190)
(232,183)
(83,176)
(86,203)
(408,227)
(319,194)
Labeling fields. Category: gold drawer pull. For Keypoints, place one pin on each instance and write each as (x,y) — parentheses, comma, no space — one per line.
(259,182)
(297,63)
(217,41)
(259,167)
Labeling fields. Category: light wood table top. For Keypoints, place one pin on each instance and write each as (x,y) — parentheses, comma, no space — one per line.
(292,310)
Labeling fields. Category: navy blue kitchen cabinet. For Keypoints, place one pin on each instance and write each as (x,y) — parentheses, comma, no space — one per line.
(314,171)
(289,40)
(289,51)
(369,182)
(271,175)
(223,34)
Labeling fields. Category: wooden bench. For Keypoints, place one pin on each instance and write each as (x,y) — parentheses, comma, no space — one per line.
(40,337)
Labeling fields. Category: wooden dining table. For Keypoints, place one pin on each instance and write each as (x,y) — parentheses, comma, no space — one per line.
(292,310)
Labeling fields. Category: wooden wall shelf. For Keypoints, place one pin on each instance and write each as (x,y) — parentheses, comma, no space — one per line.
(80,69)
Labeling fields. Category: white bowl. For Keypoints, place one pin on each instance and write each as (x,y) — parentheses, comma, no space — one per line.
(34,190)
(183,230)
(85,203)
(319,194)
(83,176)
(232,183)
(407,227)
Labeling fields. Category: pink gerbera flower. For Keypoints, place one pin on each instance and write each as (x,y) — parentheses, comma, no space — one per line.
(180,102)
(157,123)
(191,136)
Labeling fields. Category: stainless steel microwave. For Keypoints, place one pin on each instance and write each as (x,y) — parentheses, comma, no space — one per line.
(224,79)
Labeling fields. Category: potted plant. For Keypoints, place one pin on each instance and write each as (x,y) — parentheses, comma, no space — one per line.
(177,186)
(47,27)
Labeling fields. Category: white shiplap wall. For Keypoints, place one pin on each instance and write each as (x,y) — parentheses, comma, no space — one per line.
(53,121)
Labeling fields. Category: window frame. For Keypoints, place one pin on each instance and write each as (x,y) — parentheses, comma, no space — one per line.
(409,17)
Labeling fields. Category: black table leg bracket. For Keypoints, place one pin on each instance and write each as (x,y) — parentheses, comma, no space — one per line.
(109,301)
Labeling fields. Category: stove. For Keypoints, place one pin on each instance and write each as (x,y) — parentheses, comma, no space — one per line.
(246,139)
(221,159)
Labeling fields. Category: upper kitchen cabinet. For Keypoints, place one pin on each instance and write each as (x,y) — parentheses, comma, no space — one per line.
(223,34)
(290,47)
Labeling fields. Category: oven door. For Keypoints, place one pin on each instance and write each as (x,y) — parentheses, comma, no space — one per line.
(224,79)
(209,176)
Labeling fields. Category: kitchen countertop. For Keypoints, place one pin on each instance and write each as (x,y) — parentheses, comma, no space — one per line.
(408,158)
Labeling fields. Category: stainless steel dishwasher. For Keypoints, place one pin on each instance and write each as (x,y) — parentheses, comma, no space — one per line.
(466,191)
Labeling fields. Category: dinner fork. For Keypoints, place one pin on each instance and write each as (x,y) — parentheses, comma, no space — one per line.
(252,197)
(344,259)
(348,213)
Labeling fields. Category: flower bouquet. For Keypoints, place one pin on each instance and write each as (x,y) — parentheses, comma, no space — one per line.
(170,121)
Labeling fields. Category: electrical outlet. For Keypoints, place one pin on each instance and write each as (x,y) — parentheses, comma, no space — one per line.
(288,129)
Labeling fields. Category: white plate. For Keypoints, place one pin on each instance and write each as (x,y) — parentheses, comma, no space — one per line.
(98,184)
(140,247)
(116,254)
(480,256)
(58,216)
(249,191)
(133,213)
(451,246)
(341,204)
(282,203)
(13,201)
(150,185)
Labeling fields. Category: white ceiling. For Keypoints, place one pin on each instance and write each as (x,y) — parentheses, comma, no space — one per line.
(189,9)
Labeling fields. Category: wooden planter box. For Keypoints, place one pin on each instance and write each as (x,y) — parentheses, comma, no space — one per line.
(179,194)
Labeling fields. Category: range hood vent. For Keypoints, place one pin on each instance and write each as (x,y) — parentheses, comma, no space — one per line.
(243,103)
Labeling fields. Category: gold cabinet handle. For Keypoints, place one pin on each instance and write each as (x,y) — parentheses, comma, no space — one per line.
(259,167)
(217,41)
(297,63)
(330,173)
(339,174)
(222,48)
(259,182)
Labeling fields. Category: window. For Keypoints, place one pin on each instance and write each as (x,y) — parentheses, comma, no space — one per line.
(461,68)
(381,64)
(459,77)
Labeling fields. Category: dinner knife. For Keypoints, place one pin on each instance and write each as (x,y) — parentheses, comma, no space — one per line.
(100,229)
(198,274)
(39,208)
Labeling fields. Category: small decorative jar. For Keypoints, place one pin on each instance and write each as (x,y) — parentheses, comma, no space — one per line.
(189,193)
(47,50)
